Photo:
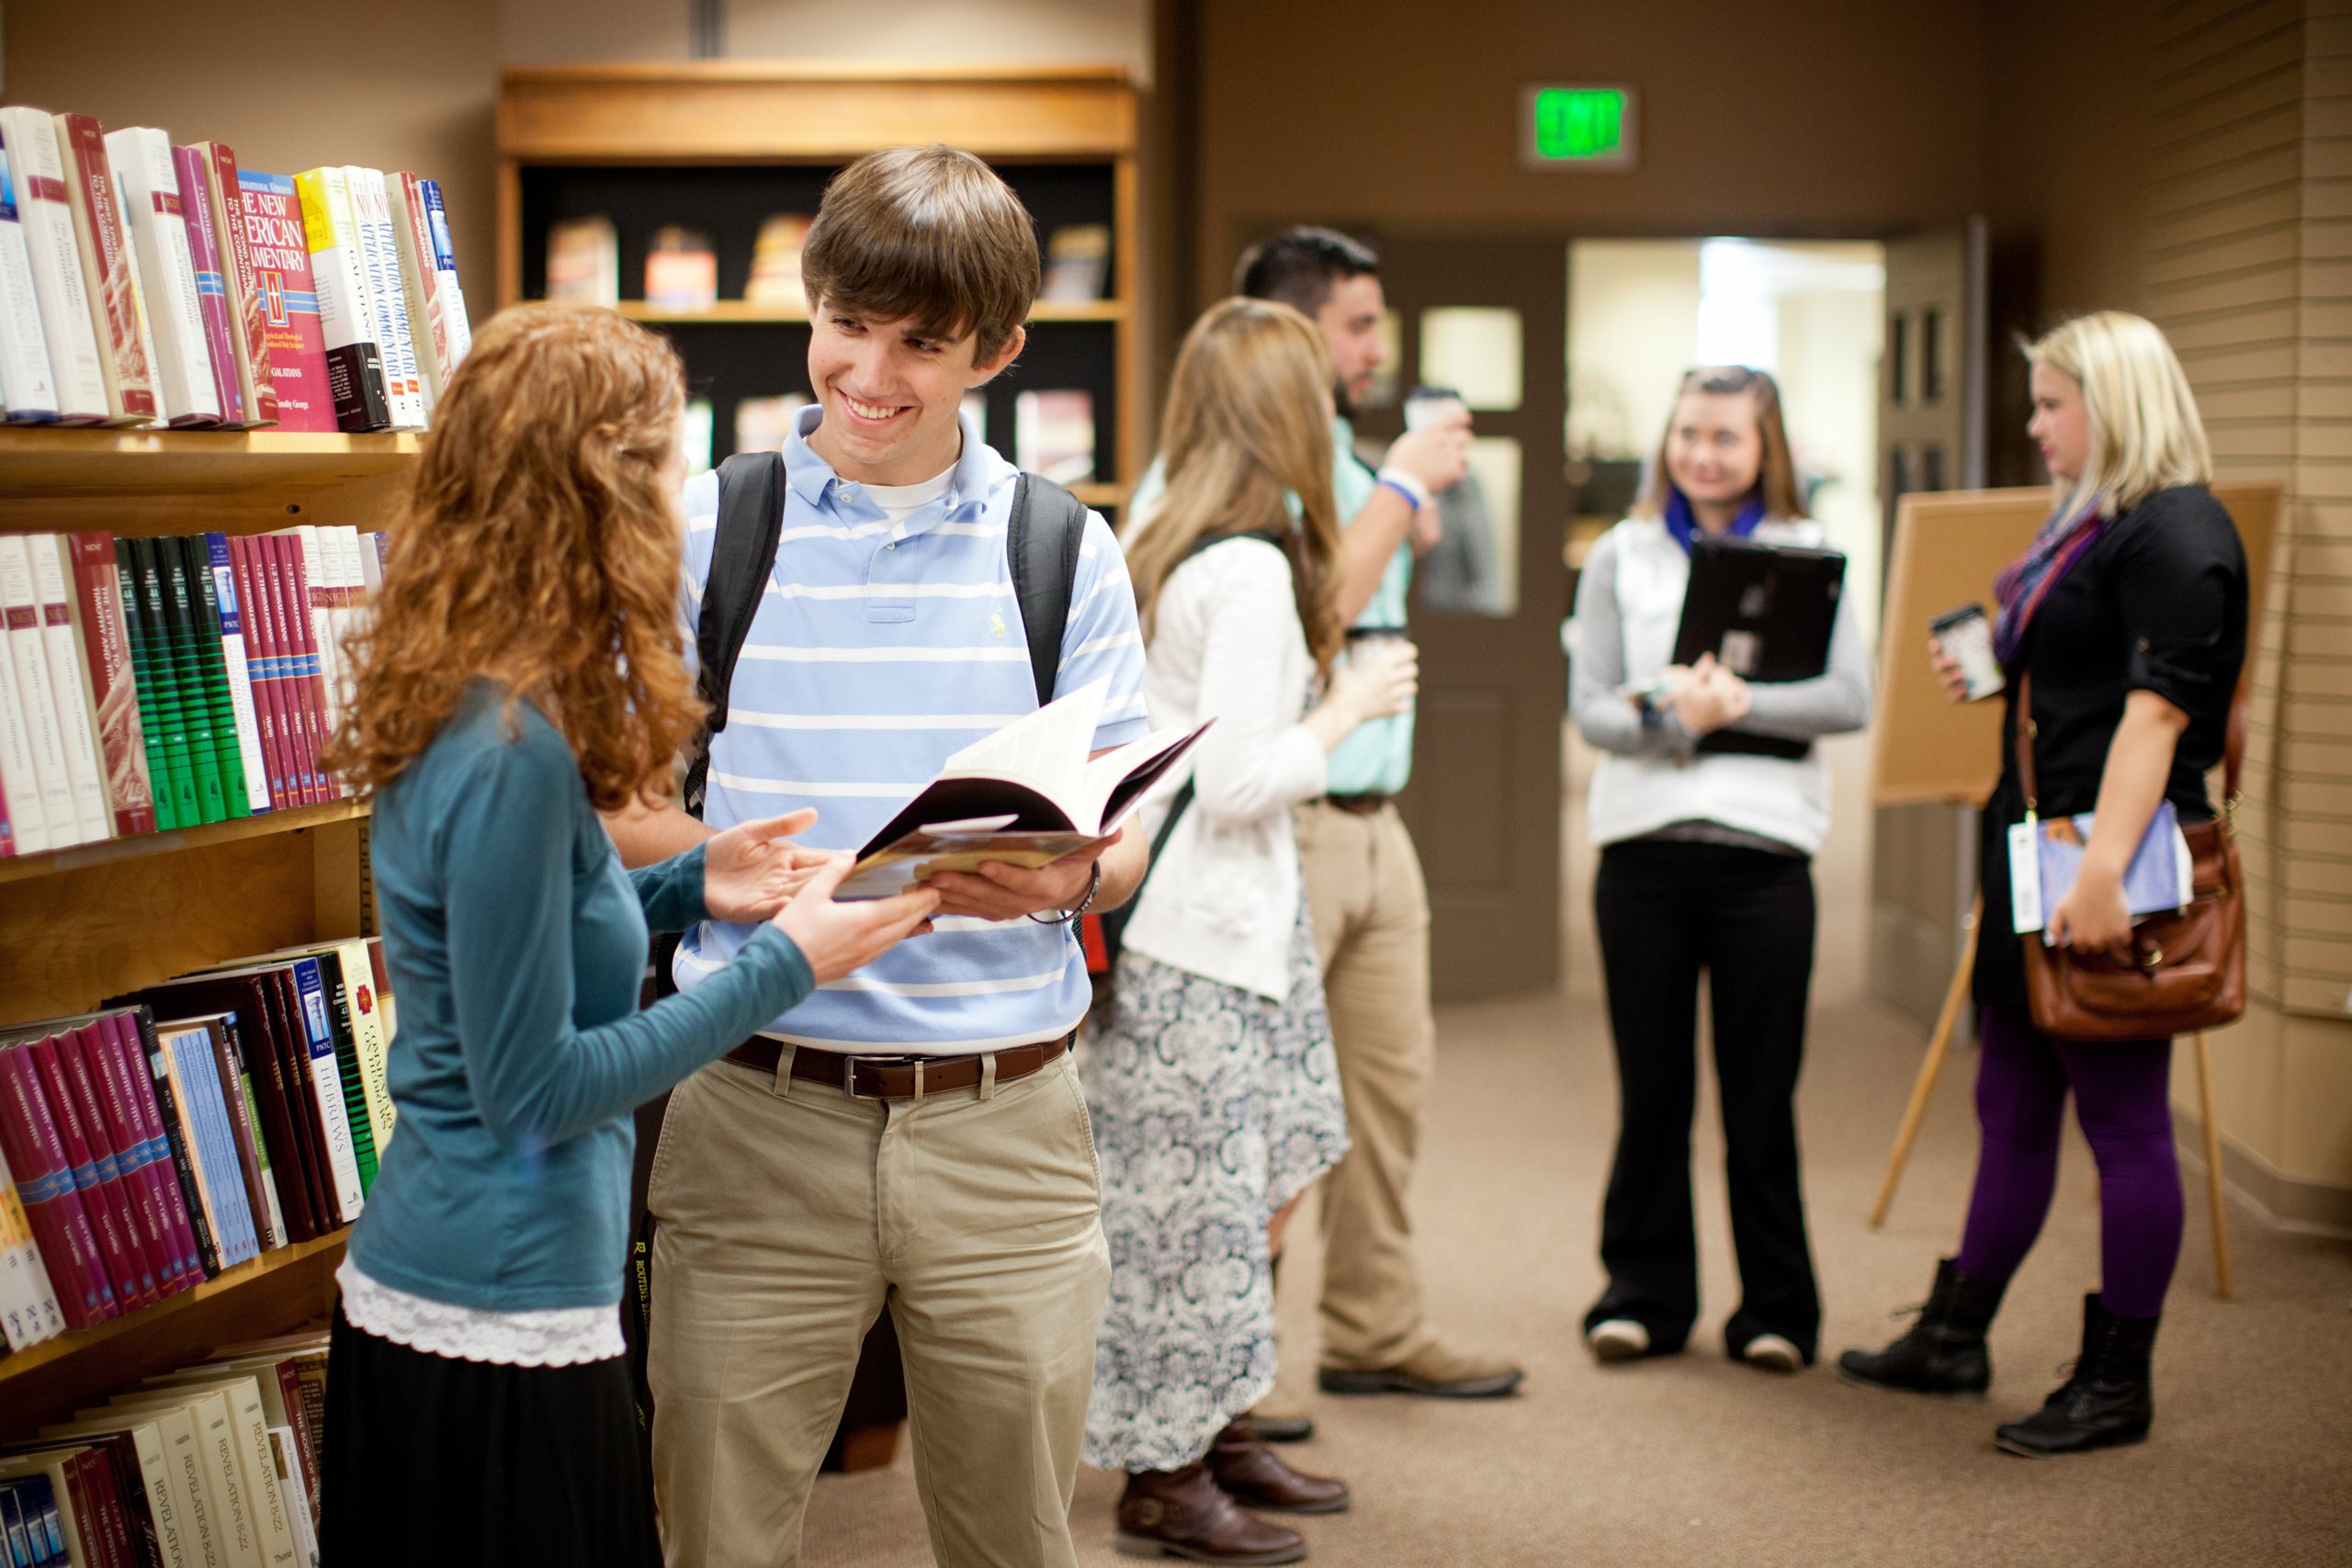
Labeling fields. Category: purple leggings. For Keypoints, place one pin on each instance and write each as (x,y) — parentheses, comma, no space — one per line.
(2123,1098)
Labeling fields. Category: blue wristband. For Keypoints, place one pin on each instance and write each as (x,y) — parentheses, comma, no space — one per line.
(1412,502)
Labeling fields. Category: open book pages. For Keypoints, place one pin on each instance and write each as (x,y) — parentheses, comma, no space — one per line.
(1026,795)
(2046,856)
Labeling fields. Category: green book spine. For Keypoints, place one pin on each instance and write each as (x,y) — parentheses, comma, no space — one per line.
(346,1061)
(205,605)
(187,664)
(142,601)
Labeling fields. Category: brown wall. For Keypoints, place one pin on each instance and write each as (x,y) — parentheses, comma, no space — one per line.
(408,87)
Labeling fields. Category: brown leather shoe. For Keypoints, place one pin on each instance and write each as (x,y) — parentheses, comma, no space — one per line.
(1182,1513)
(1435,1373)
(1249,1471)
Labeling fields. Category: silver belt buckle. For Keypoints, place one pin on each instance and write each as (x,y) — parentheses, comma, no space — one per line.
(849,1074)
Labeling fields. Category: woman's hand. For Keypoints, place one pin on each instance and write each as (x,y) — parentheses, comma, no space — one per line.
(1380,678)
(2094,914)
(750,871)
(1710,697)
(836,938)
(1949,673)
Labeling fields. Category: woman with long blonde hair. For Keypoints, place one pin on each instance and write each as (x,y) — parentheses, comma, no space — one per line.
(2128,612)
(522,674)
(1214,1091)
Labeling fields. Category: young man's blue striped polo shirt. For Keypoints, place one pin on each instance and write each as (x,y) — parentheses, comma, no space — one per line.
(877,651)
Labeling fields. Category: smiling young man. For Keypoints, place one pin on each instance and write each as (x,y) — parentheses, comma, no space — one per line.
(962,1197)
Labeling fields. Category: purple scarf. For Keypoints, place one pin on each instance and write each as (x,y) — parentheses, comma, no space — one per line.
(1685,527)
(2028,579)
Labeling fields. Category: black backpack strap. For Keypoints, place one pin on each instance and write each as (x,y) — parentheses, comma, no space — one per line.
(1041,547)
(751,519)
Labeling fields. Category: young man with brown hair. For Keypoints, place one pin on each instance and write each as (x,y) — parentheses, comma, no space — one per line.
(911,1137)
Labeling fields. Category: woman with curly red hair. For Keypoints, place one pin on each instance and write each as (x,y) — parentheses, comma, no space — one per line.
(522,674)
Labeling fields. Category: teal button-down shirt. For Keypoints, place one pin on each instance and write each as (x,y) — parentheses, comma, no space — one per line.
(1376,758)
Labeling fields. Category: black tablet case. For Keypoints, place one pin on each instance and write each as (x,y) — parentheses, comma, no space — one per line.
(1764,611)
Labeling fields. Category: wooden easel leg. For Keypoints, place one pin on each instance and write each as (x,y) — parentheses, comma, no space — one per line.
(2214,1196)
(1939,1043)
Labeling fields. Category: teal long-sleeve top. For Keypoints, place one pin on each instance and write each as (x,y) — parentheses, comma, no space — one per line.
(517,943)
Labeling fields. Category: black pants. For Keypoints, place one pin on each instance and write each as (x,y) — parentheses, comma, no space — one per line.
(1666,910)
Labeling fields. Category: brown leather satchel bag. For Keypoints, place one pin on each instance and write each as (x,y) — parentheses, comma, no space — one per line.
(2182,971)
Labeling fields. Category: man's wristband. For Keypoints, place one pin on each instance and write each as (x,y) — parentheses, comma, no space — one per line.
(1093,886)
(1407,485)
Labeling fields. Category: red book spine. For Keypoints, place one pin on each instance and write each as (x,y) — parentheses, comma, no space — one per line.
(280,249)
(205,247)
(69,1244)
(114,683)
(302,644)
(118,1034)
(105,1498)
(261,666)
(293,693)
(90,179)
(84,1523)
(87,1054)
(246,312)
(102,1199)
(297,1415)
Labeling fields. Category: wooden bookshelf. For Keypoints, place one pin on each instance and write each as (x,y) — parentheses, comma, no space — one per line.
(80,924)
(716,144)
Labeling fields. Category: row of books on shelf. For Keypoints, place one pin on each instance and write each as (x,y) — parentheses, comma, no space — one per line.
(142,283)
(215,1464)
(185,1129)
(159,683)
(682,266)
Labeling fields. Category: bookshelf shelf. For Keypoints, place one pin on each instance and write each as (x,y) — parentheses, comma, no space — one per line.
(738,311)
(297,1279)
(49,461)
(24,868)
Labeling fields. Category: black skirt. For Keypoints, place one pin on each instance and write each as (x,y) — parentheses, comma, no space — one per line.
(457,1463)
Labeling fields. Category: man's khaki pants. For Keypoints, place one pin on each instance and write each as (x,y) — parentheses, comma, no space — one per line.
(1371,935)
(789,1220)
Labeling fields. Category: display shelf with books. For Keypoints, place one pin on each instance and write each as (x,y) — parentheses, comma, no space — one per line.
(612,178)
(119,908)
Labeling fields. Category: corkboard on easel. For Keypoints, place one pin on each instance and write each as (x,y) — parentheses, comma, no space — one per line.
(1948,546)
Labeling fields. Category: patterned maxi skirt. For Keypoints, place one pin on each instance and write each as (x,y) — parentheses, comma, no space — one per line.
(1213,1108)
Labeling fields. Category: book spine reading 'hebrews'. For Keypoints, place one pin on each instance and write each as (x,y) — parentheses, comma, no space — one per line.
(289,300)
(27,385)
(248,316)
(109,272)
(151,200)
(357,375)
(205,246)
(29,138)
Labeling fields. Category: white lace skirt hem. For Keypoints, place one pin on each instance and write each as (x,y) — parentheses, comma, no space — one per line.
(550,1336)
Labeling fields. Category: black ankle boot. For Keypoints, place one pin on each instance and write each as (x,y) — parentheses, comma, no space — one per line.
(1944,1353)
(2107,1400)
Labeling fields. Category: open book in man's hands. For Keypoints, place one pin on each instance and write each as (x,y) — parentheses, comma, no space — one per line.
(1026,795)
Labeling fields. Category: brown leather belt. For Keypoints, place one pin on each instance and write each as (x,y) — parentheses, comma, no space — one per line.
(1361,805)
(895,1077)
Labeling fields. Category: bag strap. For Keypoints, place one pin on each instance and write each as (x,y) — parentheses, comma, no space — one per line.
(1041,547)
(751,520)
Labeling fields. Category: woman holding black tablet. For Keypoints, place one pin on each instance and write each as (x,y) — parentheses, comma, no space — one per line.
(1707,807)
(2128,613)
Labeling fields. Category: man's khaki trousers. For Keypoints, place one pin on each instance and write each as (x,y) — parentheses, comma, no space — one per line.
(1372,934)
(789,1220)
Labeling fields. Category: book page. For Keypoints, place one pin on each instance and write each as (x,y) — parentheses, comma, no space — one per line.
(1107,774)
(1046,750)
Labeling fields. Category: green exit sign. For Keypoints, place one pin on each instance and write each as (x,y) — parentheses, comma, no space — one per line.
(1577,127)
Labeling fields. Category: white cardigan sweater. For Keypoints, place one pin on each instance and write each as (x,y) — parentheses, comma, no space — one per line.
(1223,898)
(1629,606)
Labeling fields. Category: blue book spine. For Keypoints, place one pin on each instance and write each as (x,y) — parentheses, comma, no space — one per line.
(19,1550)
(192,1049)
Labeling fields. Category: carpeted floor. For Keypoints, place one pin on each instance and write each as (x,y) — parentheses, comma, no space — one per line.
(1698,1460)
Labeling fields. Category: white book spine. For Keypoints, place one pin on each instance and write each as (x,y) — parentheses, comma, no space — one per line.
(55,256)
(284,1452)
(420,284)
(28,662)
(76,730)
(240,683)
(27,824)
(345,321)
(274,1531)
(43,1319)
(386,297)
(141,157)
(154,1474)
(445,258)
(26,383)
(342,547)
